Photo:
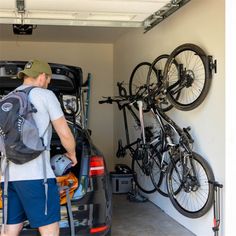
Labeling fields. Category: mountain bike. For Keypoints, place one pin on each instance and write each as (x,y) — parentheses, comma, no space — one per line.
(188,176)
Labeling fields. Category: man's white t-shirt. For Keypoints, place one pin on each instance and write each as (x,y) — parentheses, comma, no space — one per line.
(48,109)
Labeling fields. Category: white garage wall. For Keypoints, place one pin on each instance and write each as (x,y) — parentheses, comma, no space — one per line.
(94,58)
(200,22)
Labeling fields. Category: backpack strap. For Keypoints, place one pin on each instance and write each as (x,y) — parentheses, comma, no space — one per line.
(69,211)
(5,172)
(27,89)
(45,183)
(47,147)
(45,180)
(5,197)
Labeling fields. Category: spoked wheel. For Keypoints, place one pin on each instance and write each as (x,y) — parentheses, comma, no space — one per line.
(138,78)
(195,195)
(158,176)
(141,171)
(194,77)
(156,86)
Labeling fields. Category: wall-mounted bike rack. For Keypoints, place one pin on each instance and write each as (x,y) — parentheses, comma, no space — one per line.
(212,64)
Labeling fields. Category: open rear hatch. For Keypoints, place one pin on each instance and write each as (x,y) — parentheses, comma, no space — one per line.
(65,79)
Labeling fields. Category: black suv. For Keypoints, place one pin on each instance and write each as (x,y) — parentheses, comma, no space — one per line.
(91,203)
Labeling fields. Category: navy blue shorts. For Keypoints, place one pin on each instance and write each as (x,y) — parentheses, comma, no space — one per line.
(26,201)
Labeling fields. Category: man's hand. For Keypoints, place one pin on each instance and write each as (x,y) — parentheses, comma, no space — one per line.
(72,157)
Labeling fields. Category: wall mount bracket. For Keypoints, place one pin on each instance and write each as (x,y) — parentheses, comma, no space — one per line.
(212,64)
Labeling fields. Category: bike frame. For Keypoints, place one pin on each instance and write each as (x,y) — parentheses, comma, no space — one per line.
(167,144)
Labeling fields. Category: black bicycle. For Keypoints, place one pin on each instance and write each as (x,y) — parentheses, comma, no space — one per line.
(181,79)
(186,174)
(194,75)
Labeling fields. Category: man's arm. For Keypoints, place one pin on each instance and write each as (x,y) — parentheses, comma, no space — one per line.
(66,137)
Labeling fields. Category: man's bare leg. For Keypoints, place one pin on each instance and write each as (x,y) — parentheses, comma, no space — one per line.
(12,230)
(50,230)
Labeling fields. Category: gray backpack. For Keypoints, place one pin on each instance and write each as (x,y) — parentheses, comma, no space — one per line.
(19,137)
(20,141)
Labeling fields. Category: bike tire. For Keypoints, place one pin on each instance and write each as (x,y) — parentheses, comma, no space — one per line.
(160,182)
(156,87)
(142,180)
(158,177)
(195,197)
(158,173)
(195,80)
(138,78)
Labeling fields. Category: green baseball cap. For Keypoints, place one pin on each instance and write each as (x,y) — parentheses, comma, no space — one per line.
(34,68)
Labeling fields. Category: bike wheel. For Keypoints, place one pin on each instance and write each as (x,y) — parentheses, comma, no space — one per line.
(195,194)
(138,78)
(142,173)
(194,77)
(156,89)
(158,177)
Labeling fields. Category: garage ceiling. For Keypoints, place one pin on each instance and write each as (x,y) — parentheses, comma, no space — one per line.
(100,16)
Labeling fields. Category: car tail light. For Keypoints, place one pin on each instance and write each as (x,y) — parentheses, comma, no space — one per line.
(96,166)
(98,229)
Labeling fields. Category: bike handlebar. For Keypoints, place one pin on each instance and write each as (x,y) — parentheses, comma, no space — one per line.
(127,100)
(118,100)
(109,100)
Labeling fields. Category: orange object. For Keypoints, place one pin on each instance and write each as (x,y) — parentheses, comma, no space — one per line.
(69,180)
(64,181)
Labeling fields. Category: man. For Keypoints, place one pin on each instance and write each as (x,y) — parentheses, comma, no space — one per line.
(26,192)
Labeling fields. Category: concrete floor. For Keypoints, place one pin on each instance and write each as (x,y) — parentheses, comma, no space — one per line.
(143,219)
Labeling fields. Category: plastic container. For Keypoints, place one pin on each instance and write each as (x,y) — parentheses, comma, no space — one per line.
(121,183)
